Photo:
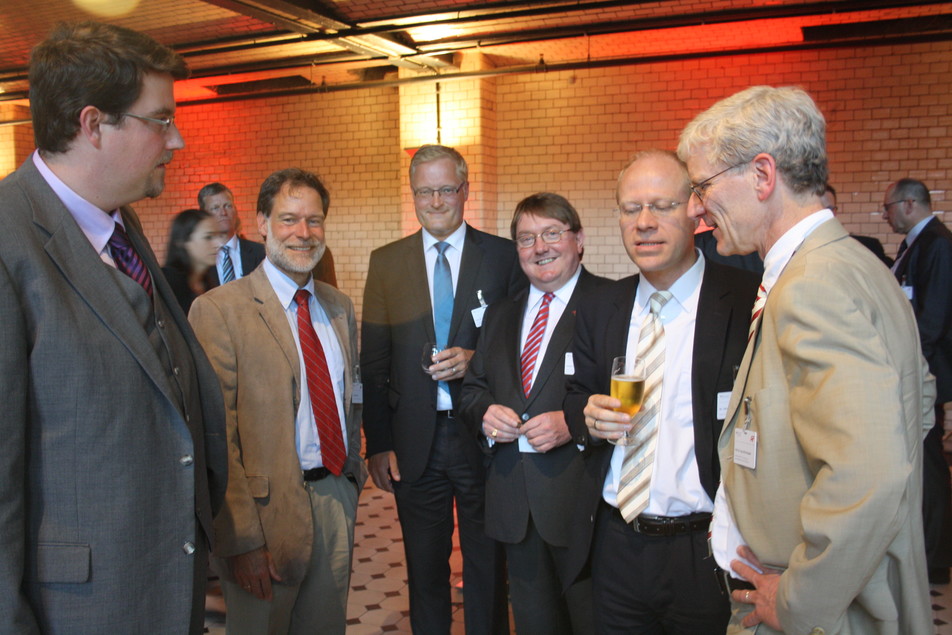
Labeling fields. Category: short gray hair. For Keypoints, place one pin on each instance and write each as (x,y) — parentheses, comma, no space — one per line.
(434,152)
(782,122)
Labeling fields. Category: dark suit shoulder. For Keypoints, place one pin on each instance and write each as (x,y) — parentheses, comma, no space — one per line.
(730,276)
(399,246)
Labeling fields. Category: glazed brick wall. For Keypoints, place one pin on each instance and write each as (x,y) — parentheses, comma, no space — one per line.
(889,113)
(350,139)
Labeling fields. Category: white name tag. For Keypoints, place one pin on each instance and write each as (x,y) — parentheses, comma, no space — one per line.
(357,394)
(745,448)
(478,316)
(723,400)
(569,364)
(907,290)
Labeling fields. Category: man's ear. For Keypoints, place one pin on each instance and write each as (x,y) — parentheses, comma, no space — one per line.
(90,121)
(765,175)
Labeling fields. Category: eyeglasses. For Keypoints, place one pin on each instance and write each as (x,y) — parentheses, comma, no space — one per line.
(700,188)
(549,237)
(165,122)
(447,191)
(885,208)
(658,208)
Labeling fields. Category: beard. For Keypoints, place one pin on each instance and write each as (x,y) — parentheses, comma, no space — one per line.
(289,261)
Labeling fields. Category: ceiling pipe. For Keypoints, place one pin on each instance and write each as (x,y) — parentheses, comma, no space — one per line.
(566,66)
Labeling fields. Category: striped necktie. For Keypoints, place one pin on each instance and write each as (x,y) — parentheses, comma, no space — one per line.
(227,267)
(320,389)
(636,467)
(127,260)
(756,311)
(534,342)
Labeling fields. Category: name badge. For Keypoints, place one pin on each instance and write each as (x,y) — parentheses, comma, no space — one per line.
(907,289)
(357,394)
(745,448)
(723,400)
(569,364)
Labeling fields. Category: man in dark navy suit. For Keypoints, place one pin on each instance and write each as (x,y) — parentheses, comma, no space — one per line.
(923,268)
(238,256)
(434,286)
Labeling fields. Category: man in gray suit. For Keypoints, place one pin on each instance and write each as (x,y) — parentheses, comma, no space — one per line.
(113,459)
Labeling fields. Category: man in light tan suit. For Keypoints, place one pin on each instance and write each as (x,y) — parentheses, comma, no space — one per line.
(285,536)
(819,509)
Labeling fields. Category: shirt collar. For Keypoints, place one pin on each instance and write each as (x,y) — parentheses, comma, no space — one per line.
(917,229)
(783,250)
(455,239)
(684,291)
(564,293)
(283,286)
(232,243)
(96,224)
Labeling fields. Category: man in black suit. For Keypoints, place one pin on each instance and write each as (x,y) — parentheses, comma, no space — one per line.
(923,268)
(238,256)
(416,445)
(650,563)
(512,400)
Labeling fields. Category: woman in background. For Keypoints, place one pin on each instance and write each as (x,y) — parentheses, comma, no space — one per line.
(194,242)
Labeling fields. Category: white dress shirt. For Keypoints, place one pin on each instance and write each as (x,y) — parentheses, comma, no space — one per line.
(556,309)
(234,253)
(305,428)
(675,488)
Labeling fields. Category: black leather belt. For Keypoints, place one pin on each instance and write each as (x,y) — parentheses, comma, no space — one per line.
(449,414)
(671,525)
(316,474)
(666,525)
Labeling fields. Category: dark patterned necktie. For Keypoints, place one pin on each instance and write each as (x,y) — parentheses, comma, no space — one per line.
(127,260)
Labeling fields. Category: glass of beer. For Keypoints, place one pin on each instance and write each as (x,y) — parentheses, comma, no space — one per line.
(628,386)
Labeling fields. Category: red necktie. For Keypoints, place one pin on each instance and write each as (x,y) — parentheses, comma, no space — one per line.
(534,342)
(758,308)
(127,260)
(323,403)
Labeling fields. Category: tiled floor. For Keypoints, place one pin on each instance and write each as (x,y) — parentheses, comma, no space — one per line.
(378,599)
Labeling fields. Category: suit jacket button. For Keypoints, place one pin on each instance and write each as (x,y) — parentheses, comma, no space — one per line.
(188,548)
(525,416)
(160,323)
(186,460)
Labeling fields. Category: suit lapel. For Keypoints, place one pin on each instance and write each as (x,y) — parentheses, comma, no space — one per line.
(275,318)
(415,282)
(561,339)
(85,272)
(466,280)
(338,318)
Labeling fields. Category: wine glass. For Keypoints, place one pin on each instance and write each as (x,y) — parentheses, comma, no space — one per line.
(430,349)
(628,386)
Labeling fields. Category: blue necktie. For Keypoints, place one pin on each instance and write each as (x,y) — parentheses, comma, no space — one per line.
(442,299)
